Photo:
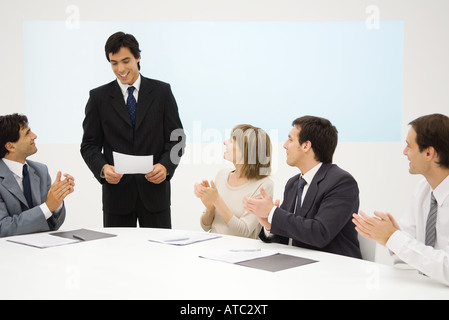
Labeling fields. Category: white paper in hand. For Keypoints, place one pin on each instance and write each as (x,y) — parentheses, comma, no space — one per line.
(128,164)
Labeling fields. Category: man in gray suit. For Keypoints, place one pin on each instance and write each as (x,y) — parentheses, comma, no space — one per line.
(318,203)
(28,201)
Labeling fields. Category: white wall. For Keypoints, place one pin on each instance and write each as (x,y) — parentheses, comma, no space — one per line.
(380,168)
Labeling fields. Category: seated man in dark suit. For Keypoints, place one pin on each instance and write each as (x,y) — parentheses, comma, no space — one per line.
(318,202)
(28,201)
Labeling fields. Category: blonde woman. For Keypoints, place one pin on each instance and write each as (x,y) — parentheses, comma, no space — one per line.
(249,149)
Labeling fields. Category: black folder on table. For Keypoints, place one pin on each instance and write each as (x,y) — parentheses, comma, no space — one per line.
(83,234)
(276,262)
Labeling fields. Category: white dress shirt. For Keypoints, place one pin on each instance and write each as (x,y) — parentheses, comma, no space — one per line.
(408,243)
(17,171)
(308,177)
(124,88)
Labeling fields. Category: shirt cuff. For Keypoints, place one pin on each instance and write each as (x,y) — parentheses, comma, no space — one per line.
(47,212)
(270,215)
(102,173)
(397,241)
(266,232)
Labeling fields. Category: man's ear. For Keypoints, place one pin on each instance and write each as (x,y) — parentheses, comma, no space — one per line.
(430,152)
(432,155)
(306,146)
(9,146)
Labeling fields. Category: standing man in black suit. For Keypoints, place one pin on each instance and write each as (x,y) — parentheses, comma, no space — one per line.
(318,202)
(137,116)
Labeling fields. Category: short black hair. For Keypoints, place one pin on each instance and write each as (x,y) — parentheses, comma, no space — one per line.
(321,133)
(10,126)
(119,40)
(433,131)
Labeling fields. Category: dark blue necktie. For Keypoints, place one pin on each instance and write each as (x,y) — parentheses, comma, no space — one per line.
(301,185)
(27,186)
(131,105)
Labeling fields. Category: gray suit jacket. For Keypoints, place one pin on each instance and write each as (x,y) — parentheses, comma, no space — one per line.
(324,221)
(15,215)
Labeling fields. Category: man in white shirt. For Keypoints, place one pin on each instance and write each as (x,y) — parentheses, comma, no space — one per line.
(421,239)
(28,201)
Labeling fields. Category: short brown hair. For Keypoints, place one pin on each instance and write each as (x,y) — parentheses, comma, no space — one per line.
(255,145)
(433,131)
(321,133)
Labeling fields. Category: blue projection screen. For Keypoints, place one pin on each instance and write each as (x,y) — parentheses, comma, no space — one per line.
(226,73)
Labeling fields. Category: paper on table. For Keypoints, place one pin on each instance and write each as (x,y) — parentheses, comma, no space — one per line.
(128,164)
(238,255)
(181,238)
(42,240)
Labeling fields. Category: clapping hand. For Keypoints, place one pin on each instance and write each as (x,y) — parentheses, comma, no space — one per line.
(59,190)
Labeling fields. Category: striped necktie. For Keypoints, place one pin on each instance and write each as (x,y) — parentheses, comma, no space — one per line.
(431,230)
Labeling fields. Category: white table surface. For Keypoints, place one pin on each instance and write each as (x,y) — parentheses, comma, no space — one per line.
(131,267)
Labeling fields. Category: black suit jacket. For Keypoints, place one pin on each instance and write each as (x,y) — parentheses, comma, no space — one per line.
(324,221)
(158,132)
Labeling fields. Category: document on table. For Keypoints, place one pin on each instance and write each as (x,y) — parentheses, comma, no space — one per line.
(47,240)
(129,164)
(182,238)
(42,240)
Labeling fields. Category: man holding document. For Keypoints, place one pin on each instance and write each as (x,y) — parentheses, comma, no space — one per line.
(132,116)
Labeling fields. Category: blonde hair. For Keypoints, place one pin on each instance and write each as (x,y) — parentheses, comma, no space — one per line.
(255,146)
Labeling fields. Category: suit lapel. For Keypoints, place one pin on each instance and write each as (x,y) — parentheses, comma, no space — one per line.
(10,183)
(118,102)
(292,195)
(312,192)
(144,102)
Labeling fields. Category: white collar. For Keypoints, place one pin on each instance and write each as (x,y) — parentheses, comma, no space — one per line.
(442,191)
(124,87)
(15,167)
(309,175)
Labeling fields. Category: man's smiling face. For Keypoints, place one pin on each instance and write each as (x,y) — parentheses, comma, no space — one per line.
(124,65)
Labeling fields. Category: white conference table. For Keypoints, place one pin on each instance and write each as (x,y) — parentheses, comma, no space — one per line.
(131,267)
